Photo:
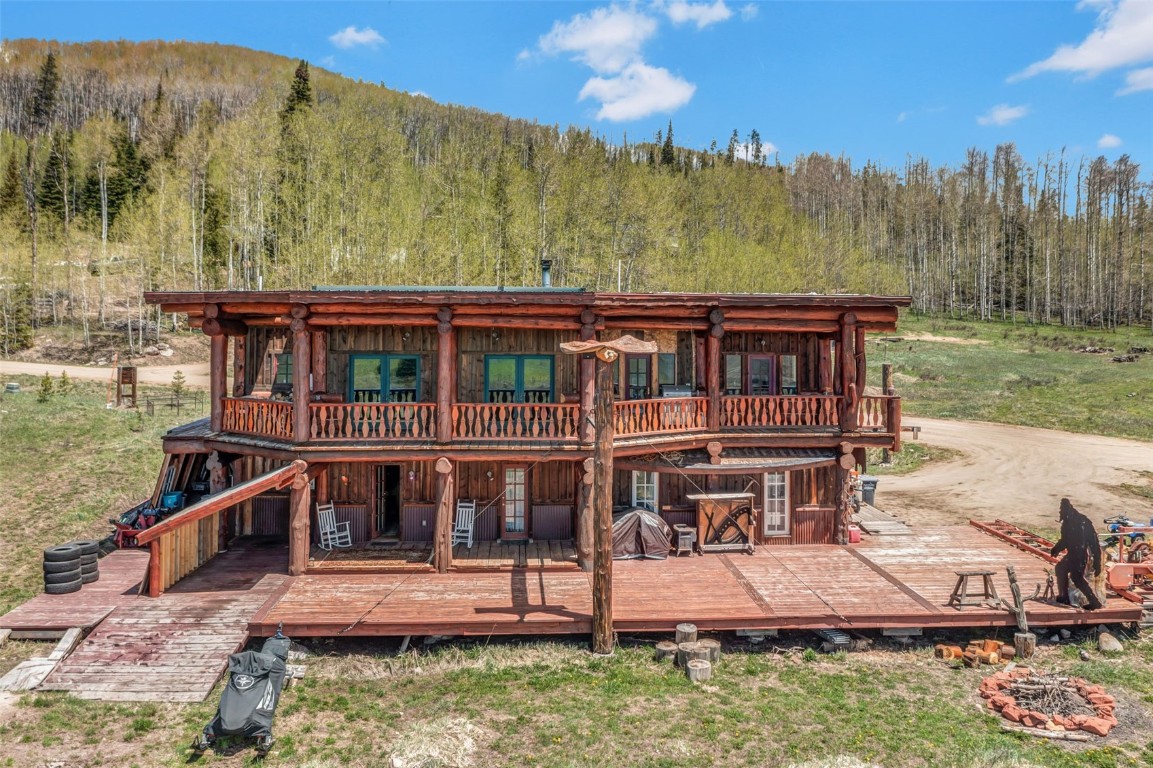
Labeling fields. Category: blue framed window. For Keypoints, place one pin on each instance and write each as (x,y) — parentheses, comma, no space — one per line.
(384,379)
(519,378)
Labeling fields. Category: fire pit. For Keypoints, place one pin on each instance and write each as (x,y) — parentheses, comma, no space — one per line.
(1051,702)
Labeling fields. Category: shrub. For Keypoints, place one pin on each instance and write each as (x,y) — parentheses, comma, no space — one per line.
(47,389)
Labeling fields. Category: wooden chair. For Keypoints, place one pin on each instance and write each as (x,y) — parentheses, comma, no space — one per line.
(464,523)
(332,533)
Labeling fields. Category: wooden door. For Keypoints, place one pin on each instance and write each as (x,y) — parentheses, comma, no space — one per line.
(639,373)
(514,526)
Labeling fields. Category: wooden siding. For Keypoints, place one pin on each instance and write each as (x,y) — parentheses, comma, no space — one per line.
(344,342)
(270,515)
(473,344)
(804,345)
(261,345)
(552,521)
(417,522)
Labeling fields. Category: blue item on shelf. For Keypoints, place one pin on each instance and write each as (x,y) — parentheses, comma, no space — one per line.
(172,500)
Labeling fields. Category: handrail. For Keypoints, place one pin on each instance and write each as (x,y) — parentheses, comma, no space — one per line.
(254,416)
(776,411)
(515,421)
(878,413)
(372,421)
(661,416)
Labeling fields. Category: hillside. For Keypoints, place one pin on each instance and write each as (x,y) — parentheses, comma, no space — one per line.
(128,166)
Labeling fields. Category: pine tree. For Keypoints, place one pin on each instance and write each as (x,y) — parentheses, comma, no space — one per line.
(42,105)
(668,153)
(16,311)
(758,148)
(11,194)
(54,187)
(47,388)
(731,152)
(299,94)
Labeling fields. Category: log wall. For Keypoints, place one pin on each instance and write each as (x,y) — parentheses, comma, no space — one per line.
(384,340)
(473,344)
(806,346)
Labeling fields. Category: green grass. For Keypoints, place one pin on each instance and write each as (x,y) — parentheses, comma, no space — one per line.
(910,458)
(67,466)
(1018,374)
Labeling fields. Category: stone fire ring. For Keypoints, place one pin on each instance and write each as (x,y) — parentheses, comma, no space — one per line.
(1102,703)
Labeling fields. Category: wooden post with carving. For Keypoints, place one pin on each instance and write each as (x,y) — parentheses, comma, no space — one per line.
(585,512)
(607,352)
(442,535)
(298,525)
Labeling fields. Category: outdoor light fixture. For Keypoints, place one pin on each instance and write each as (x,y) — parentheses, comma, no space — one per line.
(761,341)
(495,335)
(406,336)
(488,474)
(411,475)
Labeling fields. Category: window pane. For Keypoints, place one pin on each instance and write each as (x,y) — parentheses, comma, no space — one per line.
(733,375)
(403,379)
(760,376)
(776,511)
(789,374)
(366,381)
(537,379)
(514,501)
(501,379)
(666,368)
(283,369)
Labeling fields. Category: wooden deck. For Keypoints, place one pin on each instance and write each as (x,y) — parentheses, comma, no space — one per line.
(176,646)
(46,616)
(884,582)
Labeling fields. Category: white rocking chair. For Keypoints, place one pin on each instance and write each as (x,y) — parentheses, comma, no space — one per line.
(465,521)
(332,533)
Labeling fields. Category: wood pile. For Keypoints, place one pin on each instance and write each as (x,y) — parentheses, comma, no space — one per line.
(696,657)
(977,652)
(1054,703)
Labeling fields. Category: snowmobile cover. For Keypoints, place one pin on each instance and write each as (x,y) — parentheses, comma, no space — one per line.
(639,533)
(249,702)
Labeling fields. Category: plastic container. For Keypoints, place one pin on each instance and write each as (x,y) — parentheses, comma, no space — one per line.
(869,489)
(854,534)
(172,500)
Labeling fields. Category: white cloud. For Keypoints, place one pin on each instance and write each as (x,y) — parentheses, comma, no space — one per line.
(902,117)
(1003,114)
(524,55)
(638,91)
(702,14)
(1138,80)
(745,151)
(1123,37)
(749,11)
(607,39)
(350,37)
(1109,141)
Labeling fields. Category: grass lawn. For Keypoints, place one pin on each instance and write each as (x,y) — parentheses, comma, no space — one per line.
(1019,374)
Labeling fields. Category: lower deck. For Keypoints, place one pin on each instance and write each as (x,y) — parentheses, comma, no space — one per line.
(416,557)
(883,582)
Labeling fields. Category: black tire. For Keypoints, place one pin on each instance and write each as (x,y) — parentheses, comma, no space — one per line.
(87,569)
(88,578)
(63,589)
(87,546)
(62,553)
(61,567)
(62,578)
(88,559)
(107,547)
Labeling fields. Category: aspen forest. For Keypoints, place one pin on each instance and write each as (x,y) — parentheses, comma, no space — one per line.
(134,166)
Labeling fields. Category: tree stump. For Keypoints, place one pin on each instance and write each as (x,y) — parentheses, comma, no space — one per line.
(698,670)
(666,649)
(713,647)
(686,652)
(686,633)
(1025,643)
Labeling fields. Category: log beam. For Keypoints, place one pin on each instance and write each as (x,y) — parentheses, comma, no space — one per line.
(217,326)
(301,388)
(217,380)
(442,535)
(320,361)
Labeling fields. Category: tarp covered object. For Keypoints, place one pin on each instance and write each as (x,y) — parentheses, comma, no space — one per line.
(638,533)
(249,701)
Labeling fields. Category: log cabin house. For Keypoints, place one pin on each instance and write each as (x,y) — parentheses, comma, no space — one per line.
(393,403)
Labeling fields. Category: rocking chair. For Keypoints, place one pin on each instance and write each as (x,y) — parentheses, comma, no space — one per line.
(332,533)
(465,521)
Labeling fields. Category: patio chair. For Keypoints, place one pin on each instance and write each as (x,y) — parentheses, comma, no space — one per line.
(465,521)
(332,533)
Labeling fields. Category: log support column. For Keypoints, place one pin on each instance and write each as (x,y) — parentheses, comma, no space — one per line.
(603,506)
(319,361)
(847,367)
(442,535)
(587,430)
(239,365)
(301,374)
(217,379)
(713,373)
(298,525)
(445,374)
(585,514)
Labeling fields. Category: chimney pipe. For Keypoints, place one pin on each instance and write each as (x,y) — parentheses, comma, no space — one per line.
(546,273)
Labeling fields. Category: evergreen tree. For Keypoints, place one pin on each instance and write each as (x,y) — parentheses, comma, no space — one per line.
(55,186)
(757,147)
(11,194)
(668,153)
(16,311)
(731,152)
(42,105)
(299,94)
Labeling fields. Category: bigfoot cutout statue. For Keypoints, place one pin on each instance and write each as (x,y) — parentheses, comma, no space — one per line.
(1079,539)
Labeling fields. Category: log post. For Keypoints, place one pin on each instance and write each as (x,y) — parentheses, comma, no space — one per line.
(442,534)
(588,367)
(713,647)
(1024,641)
(585,516)
(239,364)
(699,671)
(859,356)
(445,374)
(298,526)
(686,633)
(301,389)
(666,649)
(154,586)
(824,367)
(713,375)
(603,506)
(892,414)
(217,379)
(687,652)
(320,360)
(845,363)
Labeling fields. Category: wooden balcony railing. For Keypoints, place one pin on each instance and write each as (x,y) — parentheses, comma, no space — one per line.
(661,416)
(879,414)
(372,421)
(264,418)
(515,421)
(779,411)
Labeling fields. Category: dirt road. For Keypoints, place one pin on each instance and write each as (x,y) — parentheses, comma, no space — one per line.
(195,375)
(1017,474)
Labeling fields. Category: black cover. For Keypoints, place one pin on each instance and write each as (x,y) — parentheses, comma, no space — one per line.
(254,684)
(639,533)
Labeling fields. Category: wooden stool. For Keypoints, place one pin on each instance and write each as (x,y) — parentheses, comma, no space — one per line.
(961,596)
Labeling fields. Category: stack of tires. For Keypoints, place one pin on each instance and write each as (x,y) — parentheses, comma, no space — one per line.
(70,566)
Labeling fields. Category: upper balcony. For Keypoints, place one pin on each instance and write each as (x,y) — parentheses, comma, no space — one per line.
(553,424)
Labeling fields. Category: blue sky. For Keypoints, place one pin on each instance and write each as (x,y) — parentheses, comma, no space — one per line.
(874,80)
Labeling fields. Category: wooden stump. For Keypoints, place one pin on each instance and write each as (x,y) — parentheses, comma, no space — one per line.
(666,649)
(686,652)
(686,633)
(713,647)
(1025,643)
(698,670)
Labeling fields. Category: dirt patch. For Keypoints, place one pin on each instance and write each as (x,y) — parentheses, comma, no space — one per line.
(938,339)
